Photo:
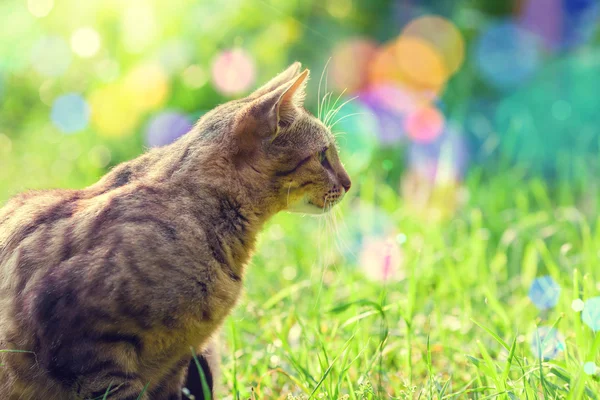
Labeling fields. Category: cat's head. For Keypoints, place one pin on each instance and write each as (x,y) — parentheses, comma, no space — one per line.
(276,141)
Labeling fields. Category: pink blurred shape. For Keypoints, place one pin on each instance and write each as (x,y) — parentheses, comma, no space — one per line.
(233,72)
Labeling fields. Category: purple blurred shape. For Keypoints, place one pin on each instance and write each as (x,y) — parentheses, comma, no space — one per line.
(166,127)
(561,23)
(544,18)
(390,104)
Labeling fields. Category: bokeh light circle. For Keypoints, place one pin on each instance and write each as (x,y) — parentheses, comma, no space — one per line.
(166,127)
(443,35)
(349,64)
(40,8)
(507,55)
(233,72)
(390,104)
(139,25)
(175,55)
(424,124)
(544,292)
(590,368)
(591,313)
(548,24)
(547,343)
(51,56)
(85,42)
(70,113)
(577,305)
(420,63)
(383,68)
(113,114)
(381,259)
(107,70)
(147,86)
(194,76)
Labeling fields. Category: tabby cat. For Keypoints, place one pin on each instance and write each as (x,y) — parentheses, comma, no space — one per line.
(107,289)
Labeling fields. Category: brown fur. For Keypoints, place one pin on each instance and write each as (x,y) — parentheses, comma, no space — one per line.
(111,286)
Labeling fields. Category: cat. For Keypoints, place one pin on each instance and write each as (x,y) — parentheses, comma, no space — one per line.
(108,289)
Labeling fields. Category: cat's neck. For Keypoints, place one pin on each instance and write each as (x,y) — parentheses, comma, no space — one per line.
(199,176)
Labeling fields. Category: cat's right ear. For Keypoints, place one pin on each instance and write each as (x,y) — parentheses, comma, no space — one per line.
(290,73)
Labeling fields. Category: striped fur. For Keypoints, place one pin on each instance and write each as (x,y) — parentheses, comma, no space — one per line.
(109,287)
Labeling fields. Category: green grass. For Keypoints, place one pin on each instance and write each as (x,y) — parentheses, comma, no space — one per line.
(458,326)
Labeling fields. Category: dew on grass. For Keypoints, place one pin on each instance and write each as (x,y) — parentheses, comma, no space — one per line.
(544,292)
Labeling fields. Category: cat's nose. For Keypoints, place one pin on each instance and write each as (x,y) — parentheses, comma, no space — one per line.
(345,181)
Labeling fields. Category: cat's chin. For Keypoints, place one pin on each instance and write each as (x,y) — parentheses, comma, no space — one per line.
(306,207)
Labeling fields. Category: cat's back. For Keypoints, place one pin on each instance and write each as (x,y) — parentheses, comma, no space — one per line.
(24,214)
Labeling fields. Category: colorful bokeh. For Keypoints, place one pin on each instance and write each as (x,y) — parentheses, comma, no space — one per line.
(70,113)
(591,313)
(233,72)
(166,127)
(544,292)
(547,343)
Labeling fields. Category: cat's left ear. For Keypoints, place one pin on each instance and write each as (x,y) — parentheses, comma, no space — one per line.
(284,77)
(292,100)
(278,108)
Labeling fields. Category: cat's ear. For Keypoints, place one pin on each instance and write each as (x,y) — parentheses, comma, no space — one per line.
(263,117)
(276,108)
(284,77)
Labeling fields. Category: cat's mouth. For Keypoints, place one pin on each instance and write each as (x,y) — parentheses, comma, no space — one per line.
(308,206)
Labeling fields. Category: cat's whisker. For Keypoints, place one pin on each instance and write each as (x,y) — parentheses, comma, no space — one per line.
(323,102)
(327,87)
(342,242)
(320,251)
(319,89)
(339,108)
(329,113)
(343,118)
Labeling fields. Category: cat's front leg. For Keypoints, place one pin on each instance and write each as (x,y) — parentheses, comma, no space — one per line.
(113,385)
(209,360)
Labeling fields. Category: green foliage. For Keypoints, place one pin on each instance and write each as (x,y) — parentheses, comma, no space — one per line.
(459,326)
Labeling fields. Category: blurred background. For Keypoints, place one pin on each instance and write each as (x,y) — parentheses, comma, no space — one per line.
(470,128)
(439,88)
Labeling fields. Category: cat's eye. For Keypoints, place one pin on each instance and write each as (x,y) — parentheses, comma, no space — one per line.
(323,155)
